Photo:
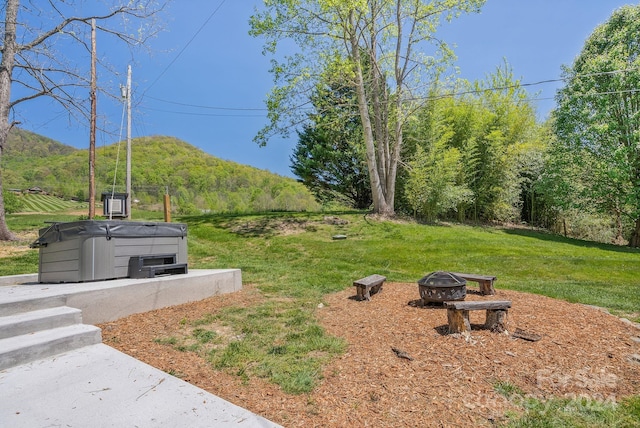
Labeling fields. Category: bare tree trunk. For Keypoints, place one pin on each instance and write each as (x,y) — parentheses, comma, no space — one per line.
(6,69)
(619,239)
(5,233)
(380,204)
(635,236)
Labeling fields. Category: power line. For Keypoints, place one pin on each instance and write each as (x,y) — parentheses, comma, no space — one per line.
(520,85)
(425,98)
(206,107)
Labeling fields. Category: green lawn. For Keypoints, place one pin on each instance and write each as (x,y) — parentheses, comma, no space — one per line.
(47,203)
(295,262)
(294,255)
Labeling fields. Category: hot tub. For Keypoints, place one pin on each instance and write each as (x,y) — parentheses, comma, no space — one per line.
(92,250)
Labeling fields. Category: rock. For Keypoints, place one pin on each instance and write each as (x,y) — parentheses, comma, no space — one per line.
(401,354)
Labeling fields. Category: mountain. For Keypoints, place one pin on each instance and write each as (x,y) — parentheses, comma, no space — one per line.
(26,143)
(196,181)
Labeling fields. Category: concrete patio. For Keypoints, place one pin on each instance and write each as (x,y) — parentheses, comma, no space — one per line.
(54,370)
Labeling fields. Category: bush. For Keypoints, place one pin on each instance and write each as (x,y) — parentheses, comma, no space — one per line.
(588,226)
(12,202)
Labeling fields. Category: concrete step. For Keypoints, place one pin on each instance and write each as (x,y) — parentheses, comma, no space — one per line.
(11,307)
(28,278)
(25,348)
(43,319)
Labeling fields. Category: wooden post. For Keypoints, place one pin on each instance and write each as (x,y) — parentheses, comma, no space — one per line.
(128,177)
(167,208)
(486,288)
(496,321)
(458,320)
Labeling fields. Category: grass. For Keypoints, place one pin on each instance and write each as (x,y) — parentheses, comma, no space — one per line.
(280,342)
(295,263)
(306,264)
(568,412)
(47,203)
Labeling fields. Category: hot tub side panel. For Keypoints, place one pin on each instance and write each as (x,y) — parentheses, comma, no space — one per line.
(60,262)
(97,259)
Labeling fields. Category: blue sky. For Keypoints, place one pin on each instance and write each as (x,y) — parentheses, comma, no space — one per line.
(207,79)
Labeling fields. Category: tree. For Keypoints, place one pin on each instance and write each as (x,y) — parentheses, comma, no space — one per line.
(597,121)
(391,50)
(504,132)
(329,157)
(31,67)
(432,186)
(12,202)
(490,131)
(332,167)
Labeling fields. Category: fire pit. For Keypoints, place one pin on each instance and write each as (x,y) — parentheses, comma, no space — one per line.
(442,287)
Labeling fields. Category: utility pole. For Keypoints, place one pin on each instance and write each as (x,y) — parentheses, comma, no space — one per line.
(92,126)
(128,205)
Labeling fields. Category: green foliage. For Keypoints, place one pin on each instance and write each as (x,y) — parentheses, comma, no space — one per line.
(31,222)
(197,182)
(166,341)
(431,188)
(389,47)
(598,121)
(25,145)
(481,154)
(12,202)
(329,157)
(24,263)
(631,408)
(588,225)
(204,336)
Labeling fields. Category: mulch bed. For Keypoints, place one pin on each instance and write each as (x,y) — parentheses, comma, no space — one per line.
(448,380)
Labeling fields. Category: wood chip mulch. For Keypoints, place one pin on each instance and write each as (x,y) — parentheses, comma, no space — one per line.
(401,369)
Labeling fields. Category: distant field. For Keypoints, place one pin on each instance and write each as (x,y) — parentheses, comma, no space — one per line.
(48,204)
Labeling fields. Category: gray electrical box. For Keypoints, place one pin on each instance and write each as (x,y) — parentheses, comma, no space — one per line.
(114,205)
(92,250)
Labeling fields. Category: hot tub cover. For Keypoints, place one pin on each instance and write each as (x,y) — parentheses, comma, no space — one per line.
(59,232)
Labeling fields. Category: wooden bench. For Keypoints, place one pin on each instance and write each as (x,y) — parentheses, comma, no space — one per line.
(369,285)
(458,315)
(485,281)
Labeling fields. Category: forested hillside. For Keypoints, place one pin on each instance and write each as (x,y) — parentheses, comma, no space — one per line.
(23,144)
(196,181)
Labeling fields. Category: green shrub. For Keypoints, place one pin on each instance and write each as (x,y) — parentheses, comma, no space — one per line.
(12,202)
